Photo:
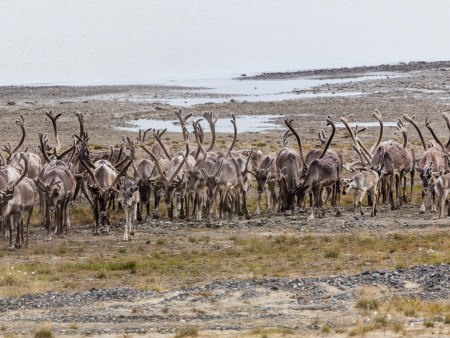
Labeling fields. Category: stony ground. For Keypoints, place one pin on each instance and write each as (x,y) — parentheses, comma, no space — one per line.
(271,276)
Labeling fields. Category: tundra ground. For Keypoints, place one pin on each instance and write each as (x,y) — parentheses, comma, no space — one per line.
(271,276)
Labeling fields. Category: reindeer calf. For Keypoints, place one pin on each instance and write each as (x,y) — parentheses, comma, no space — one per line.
(366,181)
(130,200)
(442,188)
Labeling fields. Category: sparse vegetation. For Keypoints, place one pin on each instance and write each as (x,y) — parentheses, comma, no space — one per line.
(43,332)
(187,332)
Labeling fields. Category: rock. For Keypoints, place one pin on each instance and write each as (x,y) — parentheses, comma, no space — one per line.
(376,275)
(365,272)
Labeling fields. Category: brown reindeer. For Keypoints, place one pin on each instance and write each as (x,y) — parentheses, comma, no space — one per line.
(432,160)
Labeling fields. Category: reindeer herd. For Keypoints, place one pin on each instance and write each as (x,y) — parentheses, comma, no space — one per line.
(201,182)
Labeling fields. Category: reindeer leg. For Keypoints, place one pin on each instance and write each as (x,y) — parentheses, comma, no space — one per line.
(30,212)
(182,201)
(48,223)
(125,234)
(422,207)
(140,206)
(412,187)
(86,194)
(338,196)
(133,221)
(433,199)
(360,199)
(19,225)
(188,206)
(258,209)
(157,199)
(391,192)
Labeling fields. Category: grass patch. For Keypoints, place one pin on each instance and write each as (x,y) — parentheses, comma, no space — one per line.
(367,303)
(187,332)
(331,253)
(161,241)
(325,328)
(122,250)
(428,322)
(44,332)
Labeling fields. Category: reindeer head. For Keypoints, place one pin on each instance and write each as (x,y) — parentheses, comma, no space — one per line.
(425,176)
(129,188)
(211,181)
(345,184)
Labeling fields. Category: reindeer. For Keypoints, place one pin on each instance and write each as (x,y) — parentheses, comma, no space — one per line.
(321,173)
(56,185)
(18,197)
(359,185)
(432,160)
(130,199)
(290,167)
(265,174)
(102,182)
(389,158)
(441,183)
(315,154)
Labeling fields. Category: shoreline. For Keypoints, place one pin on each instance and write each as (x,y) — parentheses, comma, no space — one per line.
(401,67)
(397,67)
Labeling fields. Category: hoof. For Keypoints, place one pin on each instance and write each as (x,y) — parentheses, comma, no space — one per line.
(338,213)
(421,212)
(132,233)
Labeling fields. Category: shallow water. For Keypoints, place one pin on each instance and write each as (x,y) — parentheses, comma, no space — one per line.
(245,124)
(366,124)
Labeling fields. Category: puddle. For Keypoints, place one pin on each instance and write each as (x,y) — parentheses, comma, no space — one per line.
(366,124)
(245,124)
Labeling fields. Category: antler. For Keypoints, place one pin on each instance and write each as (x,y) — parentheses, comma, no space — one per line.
(25,157)
(80,116)
(125,168)
(401,128)
(158,134)
(299,142)
(285,137)
(428,125)
(43,141)
(212,119)
(233,121)
(55,130)
(199,135)
(20,122)
(411,120)
(246,164)
(329,123)
(83,156)
(161,174)
(377,115)
(321,138)
(446,117)
(183,120)
(355,143)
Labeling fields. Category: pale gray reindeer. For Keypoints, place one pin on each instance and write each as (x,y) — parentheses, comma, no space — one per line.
(130,200)
(18,197)
(441,184)
(266,175)
(362,183)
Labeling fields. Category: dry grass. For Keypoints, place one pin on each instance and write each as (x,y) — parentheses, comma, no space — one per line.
(181,261)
